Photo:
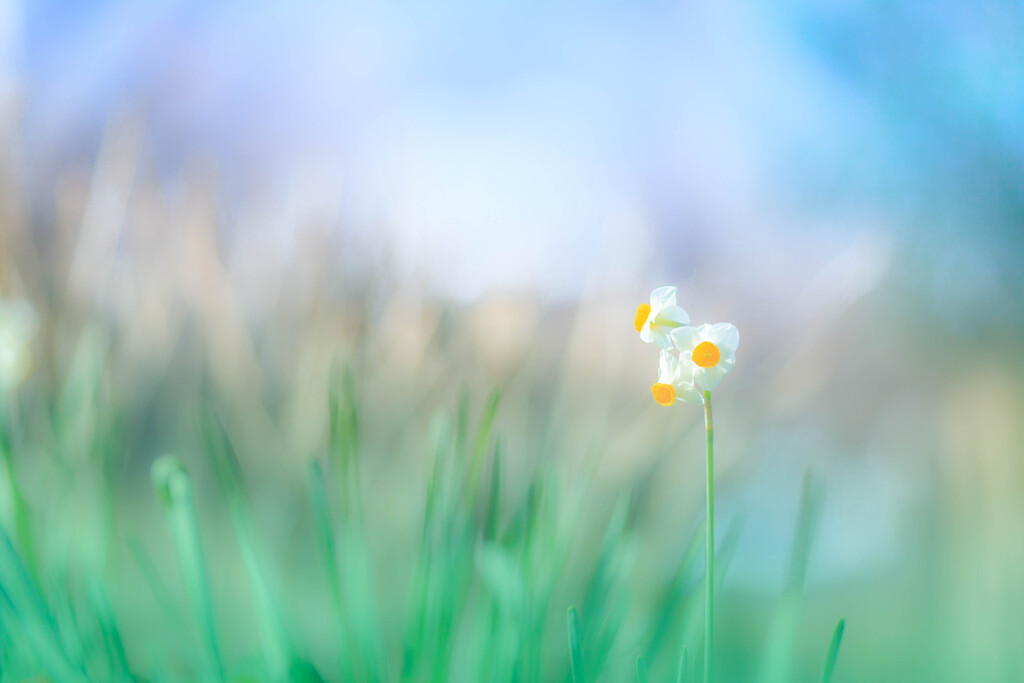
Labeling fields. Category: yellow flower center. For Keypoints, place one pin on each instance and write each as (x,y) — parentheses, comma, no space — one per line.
(664,394)
(640,317)
(706,355)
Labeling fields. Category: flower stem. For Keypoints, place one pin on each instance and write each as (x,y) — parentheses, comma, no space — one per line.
(709,571)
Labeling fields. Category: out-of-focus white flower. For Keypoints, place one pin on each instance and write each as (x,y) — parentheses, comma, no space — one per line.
(18,325)
(655,320)
(707,352)
(674,383)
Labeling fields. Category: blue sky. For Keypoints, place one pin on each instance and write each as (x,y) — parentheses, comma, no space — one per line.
(498,144)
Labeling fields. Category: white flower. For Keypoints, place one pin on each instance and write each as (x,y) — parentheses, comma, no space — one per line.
(18,325)
(674,383)
(655,320)
(707,352)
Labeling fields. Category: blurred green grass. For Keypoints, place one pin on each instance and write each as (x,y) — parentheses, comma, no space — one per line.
(195,487)
(479,592)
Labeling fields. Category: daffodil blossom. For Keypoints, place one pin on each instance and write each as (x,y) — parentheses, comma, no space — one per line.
(654,321)
(706,352)
(17,329)
(674,384)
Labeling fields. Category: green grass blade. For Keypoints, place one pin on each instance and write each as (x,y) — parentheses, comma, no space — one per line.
(272,628)
(301,671)
(156,585)
(67,624)
(23,605)
(358,589)
(727,548)
(343,439)
(175,488)
(449,587)
(605,601)
(112,642)
(355,577)
(674,596)
(641,669)
(780,644)
(415,643)
(602,580)
(501,576)
(683,662)
(723,560)
(833,651)
(158,667)
(228,472)
(575,646)
(493,497)
(18,512)
(598,653)
(480,441)
(534,506)
(352,413)
(220,454)
(348,576)
(441,442)
(462,425)
(325,539)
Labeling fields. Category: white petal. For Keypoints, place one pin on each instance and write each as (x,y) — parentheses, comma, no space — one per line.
(686,365)
(687,392)
(727,362)
(725,336)
(686,339)
(687,370)
(660,334)
(646,334)
(680,373)
(668,368)
(662,297)
(675,314)
(708,378)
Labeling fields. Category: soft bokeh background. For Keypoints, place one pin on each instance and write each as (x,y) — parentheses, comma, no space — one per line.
(231,198)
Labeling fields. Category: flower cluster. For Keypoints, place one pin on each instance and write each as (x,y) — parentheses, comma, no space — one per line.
(693,359)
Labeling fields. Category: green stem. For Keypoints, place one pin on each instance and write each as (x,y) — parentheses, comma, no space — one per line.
(709,572)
